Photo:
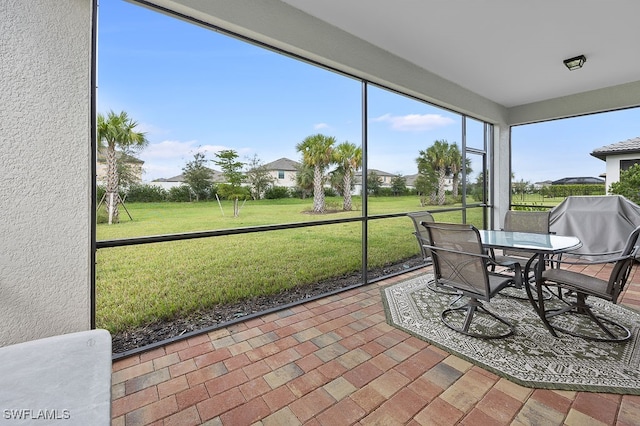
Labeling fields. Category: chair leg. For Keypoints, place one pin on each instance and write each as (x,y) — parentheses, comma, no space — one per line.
(547,294)
(530,281)
(580,307)
(471,308)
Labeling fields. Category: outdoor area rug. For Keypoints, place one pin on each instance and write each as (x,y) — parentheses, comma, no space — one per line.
(531,357)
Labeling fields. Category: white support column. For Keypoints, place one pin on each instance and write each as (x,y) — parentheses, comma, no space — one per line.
(501,173)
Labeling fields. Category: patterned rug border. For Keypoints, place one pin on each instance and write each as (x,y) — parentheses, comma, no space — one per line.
(526,383)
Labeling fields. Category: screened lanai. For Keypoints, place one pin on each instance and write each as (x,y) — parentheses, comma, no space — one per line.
(481,103)
(495,65)
(498,71)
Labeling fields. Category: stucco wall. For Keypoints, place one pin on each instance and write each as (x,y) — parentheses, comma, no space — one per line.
(45,238)
(289,180)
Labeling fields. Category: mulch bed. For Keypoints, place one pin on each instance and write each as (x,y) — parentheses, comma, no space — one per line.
(162,330)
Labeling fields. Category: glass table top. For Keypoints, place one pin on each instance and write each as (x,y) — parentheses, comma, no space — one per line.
(528,241)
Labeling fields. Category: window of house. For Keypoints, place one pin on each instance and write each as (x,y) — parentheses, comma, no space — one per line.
(626,164)
(280,174)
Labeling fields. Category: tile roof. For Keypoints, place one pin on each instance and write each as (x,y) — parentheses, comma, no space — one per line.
(216,176)
(376,171)
(577,181)
(628,146)
(283,164)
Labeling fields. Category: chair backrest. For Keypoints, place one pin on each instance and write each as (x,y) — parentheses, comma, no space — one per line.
(622,268)
(526,221)
(421,233)
(459,259)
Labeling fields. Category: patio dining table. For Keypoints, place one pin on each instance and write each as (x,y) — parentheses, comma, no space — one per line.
(541,245)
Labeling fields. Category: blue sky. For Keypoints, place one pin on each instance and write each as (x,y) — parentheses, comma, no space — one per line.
(192,89)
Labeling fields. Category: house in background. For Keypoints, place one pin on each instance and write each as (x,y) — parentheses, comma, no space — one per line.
(578,181)
(134,163)
(168,183)
(384,177)
(411,182)
(284,172)
(541,184)
(618,157)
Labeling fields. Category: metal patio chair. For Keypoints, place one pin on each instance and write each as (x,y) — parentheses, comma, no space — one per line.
(460,262)
(581,286)
(523,221)
(422,236)
(421,233)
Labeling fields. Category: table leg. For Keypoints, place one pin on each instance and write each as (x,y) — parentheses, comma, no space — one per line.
(538,305)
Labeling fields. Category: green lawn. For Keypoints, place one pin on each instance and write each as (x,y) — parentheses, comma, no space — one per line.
(536,200)
(143,283)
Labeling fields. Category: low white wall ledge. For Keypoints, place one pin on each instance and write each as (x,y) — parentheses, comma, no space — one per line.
(63,380)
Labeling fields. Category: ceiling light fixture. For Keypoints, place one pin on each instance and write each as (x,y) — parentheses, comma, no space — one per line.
(575,63)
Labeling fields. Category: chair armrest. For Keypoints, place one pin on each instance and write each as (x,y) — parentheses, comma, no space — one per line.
(566,261)
(490,260)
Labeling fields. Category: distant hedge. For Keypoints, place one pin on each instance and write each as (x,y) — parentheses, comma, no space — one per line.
(146,194)
(180,194)
(569,190)
(141,193)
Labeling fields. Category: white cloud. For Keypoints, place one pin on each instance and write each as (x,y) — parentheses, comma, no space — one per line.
(178,150)
(156,171)
(167,150)
(320,126)
(150,129)
(415,122)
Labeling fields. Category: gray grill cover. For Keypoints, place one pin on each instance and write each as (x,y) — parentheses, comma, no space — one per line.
(602,223)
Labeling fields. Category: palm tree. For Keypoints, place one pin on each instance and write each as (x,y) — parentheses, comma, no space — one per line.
(437,156)
(304,180)
(427,180)
(348,156)
(117,131)
(455,166)
(317,152)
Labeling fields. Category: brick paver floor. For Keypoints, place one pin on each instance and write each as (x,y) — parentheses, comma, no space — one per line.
(335,361)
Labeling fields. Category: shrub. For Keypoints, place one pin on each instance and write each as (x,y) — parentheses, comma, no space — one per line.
(629,184)
(100,191)
(228,191)
(102,216)
(180,194)
(330,192)
(275,192)
(385,192)
(146,193)
(561,191)
(301,193)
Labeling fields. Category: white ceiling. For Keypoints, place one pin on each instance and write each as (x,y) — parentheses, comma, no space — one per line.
(509,51)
